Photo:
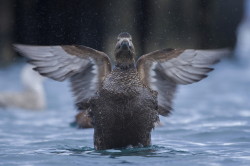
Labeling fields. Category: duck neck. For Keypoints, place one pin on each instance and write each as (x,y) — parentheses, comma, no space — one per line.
(125,60)
(125,66)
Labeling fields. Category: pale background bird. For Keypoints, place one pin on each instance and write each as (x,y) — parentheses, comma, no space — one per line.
(31,97)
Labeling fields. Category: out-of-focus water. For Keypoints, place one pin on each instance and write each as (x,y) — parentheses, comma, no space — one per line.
(210,126)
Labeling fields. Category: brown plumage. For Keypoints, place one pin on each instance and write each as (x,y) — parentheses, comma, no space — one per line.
(124,102)
(83,120)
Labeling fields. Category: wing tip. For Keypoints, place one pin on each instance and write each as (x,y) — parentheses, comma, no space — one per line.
(165,111)
(17,47)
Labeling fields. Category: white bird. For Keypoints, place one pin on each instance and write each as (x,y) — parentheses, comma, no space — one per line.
(32,97)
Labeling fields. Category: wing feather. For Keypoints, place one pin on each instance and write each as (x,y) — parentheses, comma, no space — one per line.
(163,70)
(85,67)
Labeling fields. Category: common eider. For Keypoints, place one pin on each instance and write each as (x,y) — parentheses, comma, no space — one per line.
(123,99)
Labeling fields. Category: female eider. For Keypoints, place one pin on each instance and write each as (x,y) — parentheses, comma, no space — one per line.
(125,101)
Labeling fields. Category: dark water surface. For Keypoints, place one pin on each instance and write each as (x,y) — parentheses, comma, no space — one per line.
(210,126)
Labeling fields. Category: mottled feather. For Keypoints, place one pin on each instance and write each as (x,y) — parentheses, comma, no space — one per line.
(85,66)
(163,70)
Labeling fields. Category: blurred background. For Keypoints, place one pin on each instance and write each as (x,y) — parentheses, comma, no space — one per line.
(212,119)
(154,24)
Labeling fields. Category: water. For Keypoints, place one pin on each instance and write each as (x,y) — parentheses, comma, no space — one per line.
(210,126)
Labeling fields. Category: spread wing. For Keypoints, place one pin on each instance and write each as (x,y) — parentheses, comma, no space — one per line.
(85,67)
(163,70)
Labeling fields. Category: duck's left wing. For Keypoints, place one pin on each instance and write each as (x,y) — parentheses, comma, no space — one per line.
(85,67)
(163,70)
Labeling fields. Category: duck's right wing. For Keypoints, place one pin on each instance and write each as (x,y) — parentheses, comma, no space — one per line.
(85,67)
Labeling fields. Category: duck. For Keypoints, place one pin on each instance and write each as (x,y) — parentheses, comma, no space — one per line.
(32,97)
(124,98)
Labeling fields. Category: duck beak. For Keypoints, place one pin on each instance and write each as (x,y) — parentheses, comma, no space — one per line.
(125,44)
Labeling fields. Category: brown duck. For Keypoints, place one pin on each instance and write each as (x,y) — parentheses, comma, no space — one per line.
(123,100)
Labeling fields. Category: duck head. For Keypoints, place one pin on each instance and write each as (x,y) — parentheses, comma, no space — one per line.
(124,49)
